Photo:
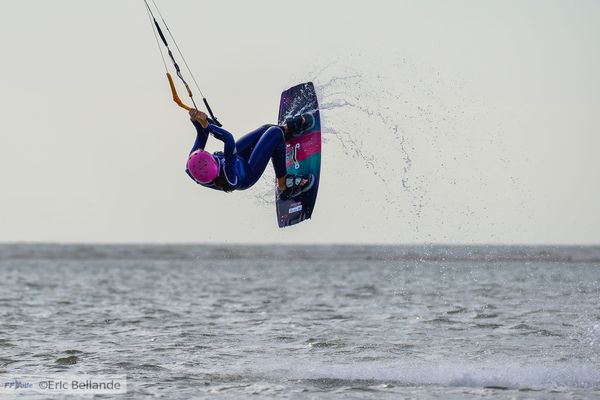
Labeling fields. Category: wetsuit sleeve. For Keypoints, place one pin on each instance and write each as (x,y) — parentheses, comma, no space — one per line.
(229,151)
(201,137)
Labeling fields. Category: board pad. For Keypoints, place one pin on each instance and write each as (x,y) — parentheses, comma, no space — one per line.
(302,153)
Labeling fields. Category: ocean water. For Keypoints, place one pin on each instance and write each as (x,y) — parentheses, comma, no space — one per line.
(424,322)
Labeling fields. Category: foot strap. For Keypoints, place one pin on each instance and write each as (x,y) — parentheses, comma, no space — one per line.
(295,185)
(294,124)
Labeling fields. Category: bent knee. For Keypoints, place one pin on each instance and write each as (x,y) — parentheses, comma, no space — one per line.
(275,131)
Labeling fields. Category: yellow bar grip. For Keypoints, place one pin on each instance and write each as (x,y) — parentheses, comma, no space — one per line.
(176,98)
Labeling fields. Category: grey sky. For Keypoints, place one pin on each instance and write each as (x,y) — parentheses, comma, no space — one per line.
(497,105)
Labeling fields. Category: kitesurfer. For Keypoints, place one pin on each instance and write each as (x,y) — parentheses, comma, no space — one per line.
(240,165)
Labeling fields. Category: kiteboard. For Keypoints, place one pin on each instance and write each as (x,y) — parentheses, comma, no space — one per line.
(303,153)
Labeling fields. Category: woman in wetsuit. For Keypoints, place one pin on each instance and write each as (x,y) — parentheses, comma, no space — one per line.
(241,164)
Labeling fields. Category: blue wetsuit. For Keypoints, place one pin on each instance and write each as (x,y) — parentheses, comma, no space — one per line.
(242,163)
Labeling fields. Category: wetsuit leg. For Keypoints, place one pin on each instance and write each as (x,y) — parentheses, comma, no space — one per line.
(271,145)
(245,145)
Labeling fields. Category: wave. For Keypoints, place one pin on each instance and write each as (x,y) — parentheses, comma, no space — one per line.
(492,374)
(40,251)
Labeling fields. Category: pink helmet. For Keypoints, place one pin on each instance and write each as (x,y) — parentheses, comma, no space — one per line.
(202,166)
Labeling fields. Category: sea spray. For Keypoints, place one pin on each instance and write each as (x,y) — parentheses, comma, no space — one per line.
(414,136)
